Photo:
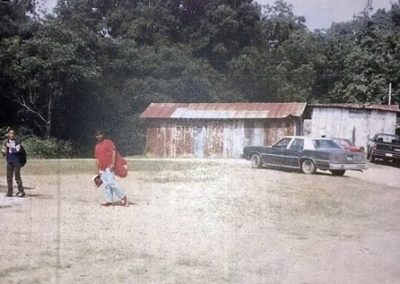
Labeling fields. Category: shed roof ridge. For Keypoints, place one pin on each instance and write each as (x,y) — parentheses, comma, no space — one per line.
(238,110)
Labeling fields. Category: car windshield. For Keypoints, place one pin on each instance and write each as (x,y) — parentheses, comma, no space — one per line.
(325,144)
(282,143)
(393,139)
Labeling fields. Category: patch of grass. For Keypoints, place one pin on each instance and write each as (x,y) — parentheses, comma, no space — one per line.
(87,166)
(175,177)
(55,167)
(162,165)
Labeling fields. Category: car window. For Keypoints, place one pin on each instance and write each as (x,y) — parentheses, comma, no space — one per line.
(325,144)
(297,144)
(339,142)
(388,139)
(348,142)
(282,143)
(343,142)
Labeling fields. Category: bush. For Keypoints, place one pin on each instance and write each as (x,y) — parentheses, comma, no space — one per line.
(47,148)
(40,148)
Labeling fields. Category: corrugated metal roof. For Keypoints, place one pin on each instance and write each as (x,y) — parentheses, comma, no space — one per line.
(160,110)
(223,110)
(392,108)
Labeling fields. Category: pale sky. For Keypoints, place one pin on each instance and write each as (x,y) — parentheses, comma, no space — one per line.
(318,13)
(322,13)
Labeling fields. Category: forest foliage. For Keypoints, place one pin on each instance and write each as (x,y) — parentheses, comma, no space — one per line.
(98,63)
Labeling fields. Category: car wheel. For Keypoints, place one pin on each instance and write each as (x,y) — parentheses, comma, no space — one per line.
(308,167)
(256,161)
(338,173)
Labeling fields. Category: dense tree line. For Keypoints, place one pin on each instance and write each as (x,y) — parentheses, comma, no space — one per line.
(99,63)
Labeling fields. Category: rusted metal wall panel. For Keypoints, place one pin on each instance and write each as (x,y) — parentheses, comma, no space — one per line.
(275,129)
(355,125)
(213,138)
(215,132)
(254,133)
(234,138)
(155,141)
(183,139)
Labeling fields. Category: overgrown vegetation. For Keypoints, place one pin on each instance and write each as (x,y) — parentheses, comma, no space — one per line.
(38,147)
(48,148)
(98,64)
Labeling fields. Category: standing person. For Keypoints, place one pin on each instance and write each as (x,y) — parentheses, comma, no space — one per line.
(105,155)
(11,149)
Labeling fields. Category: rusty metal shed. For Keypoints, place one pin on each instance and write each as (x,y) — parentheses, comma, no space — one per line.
(356,122)
(217,129)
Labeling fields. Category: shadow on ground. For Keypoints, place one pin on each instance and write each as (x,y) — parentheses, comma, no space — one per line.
(4,187)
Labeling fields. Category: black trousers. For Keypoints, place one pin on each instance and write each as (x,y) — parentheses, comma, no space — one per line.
(14,169)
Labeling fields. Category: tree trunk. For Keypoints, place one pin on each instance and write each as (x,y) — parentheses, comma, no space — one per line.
(49,117)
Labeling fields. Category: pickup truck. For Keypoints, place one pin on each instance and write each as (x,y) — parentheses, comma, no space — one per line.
(384,146)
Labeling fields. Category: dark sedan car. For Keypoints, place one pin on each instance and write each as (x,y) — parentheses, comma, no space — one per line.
(307,154)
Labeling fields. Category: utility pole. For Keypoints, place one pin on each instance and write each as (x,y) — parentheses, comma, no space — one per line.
(390,93)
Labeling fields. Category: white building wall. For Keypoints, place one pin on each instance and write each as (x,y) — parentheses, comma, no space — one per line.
(355,125)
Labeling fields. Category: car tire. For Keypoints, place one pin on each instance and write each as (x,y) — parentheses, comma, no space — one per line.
(256,161)
(338,173)
(308,167)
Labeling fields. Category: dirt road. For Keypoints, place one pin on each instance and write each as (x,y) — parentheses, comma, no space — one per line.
(202,222)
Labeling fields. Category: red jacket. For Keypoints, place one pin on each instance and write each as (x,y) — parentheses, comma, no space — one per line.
(103,153)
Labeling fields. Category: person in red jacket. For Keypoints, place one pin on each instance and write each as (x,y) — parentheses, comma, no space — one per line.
(105,155)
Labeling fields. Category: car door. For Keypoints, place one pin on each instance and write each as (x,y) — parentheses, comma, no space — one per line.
(276,154)
(293,153)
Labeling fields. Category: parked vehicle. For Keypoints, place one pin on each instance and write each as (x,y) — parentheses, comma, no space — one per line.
(384,146)
(348,145)
(307,154)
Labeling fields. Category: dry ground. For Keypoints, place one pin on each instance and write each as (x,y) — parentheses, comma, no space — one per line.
(201,221)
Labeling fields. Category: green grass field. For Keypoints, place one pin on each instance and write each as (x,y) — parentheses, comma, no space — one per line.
(81,166)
